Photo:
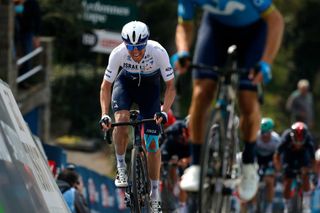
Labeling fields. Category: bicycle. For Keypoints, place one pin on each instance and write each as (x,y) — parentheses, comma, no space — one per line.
(296,192)
(296,202)
(261,198)
(174,155)
(169,200)
(138,189)
(219,168)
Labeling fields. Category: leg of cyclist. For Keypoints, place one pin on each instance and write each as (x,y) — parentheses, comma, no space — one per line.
(211,50)
(149,104)
(121,138)
(270,181)
(251,50)
(289,161)
(306,201)
(249,124)
(201,99)
(121,103)
(307,161)
(287,182)
(265,162)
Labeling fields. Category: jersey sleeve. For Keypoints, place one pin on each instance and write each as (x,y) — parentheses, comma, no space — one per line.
(263,6)
(164,63)
(185,10)
(111,71)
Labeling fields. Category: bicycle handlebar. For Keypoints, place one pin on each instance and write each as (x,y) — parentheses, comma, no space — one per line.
(218,70)
(106,135)
(132,123)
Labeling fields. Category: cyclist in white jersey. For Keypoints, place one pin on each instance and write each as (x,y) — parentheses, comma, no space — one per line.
(135,67)
(267,142)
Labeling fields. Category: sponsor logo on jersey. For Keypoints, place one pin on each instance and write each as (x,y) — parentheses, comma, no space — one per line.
(229,9)
(133,66)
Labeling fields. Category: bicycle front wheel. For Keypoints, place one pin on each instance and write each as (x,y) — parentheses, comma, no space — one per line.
(211,198)
(140,181)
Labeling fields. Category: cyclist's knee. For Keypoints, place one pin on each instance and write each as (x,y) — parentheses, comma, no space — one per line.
(152,142)
(121,131)
(203,94)
(248,102)
(122,115)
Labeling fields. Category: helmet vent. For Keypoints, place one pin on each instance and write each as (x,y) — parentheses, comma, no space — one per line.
(134,36)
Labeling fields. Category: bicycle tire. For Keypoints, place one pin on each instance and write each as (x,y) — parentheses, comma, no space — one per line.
(261,198)
(140,181)
(297,202)
(168,200)
(145,179)
(210,196)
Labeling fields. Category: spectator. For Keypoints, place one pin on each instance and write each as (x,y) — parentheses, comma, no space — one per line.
(300,104)
(70,187)
(27,29)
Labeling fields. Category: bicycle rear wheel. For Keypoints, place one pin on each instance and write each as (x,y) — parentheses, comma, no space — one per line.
(140,181)
(211,198)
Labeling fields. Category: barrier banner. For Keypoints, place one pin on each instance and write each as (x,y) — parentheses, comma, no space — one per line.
(98,190)
(26,181)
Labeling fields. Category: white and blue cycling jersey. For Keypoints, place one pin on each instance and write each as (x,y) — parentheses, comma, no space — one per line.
(155,60)
(265,151)
(268,148)
(235,13)
(139,83)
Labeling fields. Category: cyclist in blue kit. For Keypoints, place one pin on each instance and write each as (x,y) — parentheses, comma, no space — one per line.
(256,28)
(140,63)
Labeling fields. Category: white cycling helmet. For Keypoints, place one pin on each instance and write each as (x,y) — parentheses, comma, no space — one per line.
(135,32)
(317,155)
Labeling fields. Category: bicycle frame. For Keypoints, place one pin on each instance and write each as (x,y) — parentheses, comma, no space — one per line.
(218,163)
(137,191)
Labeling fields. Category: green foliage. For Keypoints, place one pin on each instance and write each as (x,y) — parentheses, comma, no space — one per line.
(162,27)
(60,20)
(298,58)
(75,100)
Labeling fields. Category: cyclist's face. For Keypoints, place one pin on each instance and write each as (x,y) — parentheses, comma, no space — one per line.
(137,54)
(266,137)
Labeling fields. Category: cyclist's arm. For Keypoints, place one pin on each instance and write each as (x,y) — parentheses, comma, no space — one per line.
(167,75)
(184,35)
(275,28)
(109,77)
(277,161)
(105,97)
(184,29)
(169,95)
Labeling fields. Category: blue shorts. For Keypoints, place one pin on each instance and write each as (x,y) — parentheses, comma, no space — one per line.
(127,90)
(214,39)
